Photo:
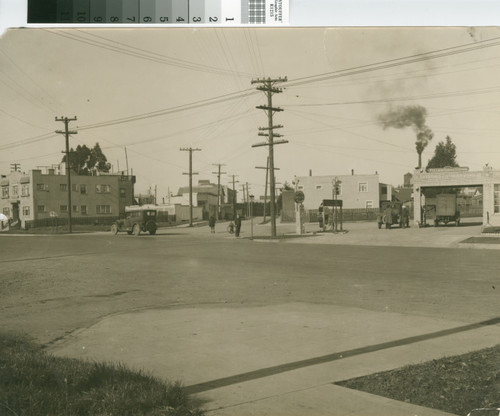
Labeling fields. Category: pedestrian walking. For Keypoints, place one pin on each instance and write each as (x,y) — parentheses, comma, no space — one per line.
(237,223)
(211,222)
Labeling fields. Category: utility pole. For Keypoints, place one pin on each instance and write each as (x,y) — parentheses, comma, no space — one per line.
(234,196)
(248,201)
(191,173)
(67,132)
(267,85)
(267,181)
(218,188)
(244,198)
(15,167)
(126,159)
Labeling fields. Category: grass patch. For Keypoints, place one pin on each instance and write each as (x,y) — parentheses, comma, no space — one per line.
(456,384)
(33,382)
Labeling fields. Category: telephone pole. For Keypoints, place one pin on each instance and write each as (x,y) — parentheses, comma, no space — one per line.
(218,188)
(267,85)
(15,167)
(267,181)
(234,195)
(191,173)
(67,132)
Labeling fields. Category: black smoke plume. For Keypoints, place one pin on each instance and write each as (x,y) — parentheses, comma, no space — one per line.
(409,116)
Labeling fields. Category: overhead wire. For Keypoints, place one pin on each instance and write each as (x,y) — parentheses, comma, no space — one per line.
(390,63)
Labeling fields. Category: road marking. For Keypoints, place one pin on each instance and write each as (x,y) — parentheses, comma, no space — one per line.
(270,371)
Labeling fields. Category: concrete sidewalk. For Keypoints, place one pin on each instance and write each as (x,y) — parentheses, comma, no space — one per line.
(283,360)
(361,233)
(276,360)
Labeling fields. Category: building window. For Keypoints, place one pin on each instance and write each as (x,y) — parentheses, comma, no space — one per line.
(6,211)
(63,187)
(83,209)
(63,209)
(497,198)
(42,187)
(369,204)
(362,187)
(319,187)
(83,189)
(75,208)
(26,211)
(41,208)
(25,190)
(103,209)
(15,190)
(5,191)
(103,189)
(74,187)
(123,193)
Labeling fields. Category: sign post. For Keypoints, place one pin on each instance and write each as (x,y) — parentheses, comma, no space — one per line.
(299,209)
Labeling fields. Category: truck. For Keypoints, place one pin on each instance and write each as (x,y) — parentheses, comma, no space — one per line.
(391,213)
(446,209)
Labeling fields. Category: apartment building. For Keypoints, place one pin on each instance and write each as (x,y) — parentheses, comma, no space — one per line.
(37,195)
(355,191)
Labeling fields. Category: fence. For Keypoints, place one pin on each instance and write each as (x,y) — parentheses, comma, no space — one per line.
(63,221)
(352,214)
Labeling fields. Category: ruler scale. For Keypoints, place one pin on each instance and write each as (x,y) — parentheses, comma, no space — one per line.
(179,12)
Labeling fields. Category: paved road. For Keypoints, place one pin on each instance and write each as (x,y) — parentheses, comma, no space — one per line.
(50,286)
(257,326)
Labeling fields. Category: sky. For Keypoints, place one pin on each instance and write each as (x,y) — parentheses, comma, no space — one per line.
(147,93)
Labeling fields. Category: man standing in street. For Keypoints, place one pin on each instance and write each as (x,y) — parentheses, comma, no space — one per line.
(237,223)
(211,222)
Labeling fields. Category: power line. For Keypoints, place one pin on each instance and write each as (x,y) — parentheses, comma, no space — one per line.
(361,69)
(143,54)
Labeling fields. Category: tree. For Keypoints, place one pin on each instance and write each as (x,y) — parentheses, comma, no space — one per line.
(445,155)
(85,161)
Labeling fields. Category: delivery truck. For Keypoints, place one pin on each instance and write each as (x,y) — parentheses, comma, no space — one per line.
(446,209)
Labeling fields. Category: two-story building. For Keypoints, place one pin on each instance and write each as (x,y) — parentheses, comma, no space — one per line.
(355,191)
(36,195)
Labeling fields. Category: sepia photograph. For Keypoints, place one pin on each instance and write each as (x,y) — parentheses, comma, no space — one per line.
(220,221)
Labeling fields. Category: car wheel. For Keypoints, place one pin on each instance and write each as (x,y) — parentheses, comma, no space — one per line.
(114,229)
(136,230)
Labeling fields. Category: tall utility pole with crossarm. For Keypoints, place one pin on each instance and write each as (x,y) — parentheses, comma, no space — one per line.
(67,132)
(218,188)
(190,150)
(268,86)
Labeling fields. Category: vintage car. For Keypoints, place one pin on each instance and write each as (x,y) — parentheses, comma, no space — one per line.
(136,221)
(393,213)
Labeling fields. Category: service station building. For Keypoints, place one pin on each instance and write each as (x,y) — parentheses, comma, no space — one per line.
(488,179)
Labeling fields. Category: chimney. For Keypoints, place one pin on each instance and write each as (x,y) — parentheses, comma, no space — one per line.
(310,172)
(352,172)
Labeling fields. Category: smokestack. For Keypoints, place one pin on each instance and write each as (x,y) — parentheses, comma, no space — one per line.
(409,116)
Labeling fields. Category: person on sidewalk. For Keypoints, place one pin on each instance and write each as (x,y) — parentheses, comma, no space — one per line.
(237,223)
(211,222)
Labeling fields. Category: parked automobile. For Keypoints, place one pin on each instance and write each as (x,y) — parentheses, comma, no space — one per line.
(393,213)
(136,221)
